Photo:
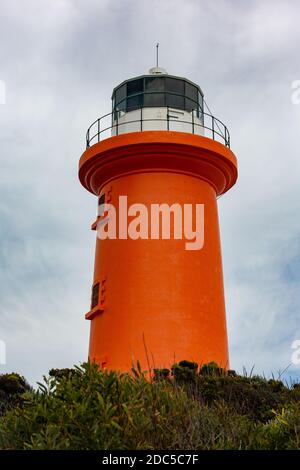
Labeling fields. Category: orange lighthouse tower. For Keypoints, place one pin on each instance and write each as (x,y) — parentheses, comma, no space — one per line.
(154,300)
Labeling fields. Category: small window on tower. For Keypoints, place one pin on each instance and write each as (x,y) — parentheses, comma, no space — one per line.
(95,295)
(101,201)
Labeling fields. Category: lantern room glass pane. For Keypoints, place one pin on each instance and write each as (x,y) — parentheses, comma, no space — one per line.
(190,105)
(174,85)
(175,101)
(200,100)
(135,86)
(154,84)
(134,102)
(191,92)
(154,99)
(120,94)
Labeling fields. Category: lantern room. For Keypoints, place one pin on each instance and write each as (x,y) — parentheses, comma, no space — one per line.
(157,101)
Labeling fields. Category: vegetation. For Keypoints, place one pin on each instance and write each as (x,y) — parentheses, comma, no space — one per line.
(183,408)
(12,388)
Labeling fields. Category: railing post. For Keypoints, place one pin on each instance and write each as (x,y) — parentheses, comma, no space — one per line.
(168,123)
(141,119)
(193,123)
(98,129)
(117,128)
(213,127)
(88,138)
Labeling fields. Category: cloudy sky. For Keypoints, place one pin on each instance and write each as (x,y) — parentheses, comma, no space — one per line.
(59,60)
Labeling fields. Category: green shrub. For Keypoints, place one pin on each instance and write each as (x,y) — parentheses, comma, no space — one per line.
(12,388)
(282,432)
(85,408)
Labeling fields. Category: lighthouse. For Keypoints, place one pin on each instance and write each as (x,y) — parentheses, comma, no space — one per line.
(157,164)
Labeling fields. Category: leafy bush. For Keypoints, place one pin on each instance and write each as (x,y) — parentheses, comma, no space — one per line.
(206,408)
(12,387)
